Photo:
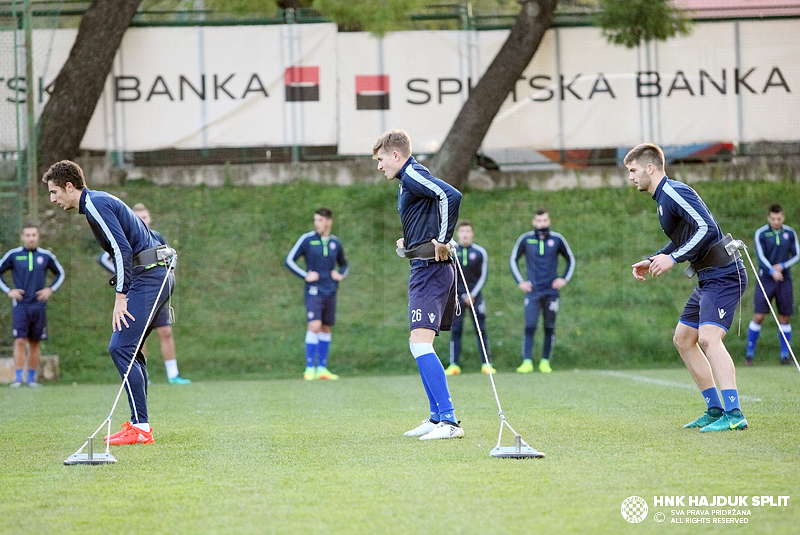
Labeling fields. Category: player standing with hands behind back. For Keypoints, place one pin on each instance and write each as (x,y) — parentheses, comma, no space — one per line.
(29,265)
(322,251)
(696,236)
(778,251)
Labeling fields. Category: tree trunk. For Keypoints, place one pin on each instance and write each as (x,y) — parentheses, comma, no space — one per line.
(453,160)
(80,83)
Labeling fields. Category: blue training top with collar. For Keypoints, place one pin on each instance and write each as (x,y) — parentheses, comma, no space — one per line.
(29,269)
(428,206)
(541,249)
(691,227)
(475,264)
(118,230)
(322,255)
(777,247)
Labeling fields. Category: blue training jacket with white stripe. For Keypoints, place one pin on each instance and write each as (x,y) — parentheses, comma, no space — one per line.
(428,206)
(29,269)
(118,230)
(691,227)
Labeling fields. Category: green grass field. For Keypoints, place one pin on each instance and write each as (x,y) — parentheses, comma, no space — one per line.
(285,456)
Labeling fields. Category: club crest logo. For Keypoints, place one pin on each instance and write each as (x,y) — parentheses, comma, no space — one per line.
(432,316)
(721,313)
(634,509)
(40,260)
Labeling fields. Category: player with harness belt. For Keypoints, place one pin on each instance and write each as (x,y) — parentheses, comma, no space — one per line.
(140,271)
(695,236)
(428,212)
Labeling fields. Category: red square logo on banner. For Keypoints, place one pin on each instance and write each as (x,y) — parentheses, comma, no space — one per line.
(302,84)
(372,92)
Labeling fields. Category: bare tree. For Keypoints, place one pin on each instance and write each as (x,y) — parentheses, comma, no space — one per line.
(79,85)
(453,160)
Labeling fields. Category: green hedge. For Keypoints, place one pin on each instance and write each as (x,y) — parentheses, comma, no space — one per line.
(239,311)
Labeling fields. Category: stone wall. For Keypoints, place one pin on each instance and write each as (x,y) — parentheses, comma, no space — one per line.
(364,171)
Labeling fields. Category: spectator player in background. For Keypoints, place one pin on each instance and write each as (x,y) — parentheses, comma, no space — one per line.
(778,251)
(29,265)
(541,248)
(475,265)
(695,236)
(428,213)
(166,338)
(323,252)
(139,279)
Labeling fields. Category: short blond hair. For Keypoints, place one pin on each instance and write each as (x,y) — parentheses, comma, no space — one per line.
(393,140)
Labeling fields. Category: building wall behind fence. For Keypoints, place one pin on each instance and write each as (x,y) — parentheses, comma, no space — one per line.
(307,85)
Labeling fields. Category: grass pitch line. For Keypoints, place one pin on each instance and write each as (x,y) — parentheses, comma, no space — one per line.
(664,382)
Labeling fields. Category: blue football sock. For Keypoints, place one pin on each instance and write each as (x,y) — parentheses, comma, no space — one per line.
(549,339)
(484,360)
(31,376)
(432,372)
(527,344)
(731,399)
(431,402)
(455,348)
(312,341)
(322,349)
(752,337)
(712,398)
(786,330)
(18,376)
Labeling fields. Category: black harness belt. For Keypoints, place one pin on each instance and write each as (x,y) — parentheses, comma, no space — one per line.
(716,256)
(148,257)
(423,251)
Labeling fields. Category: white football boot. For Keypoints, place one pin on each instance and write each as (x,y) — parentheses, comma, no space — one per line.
(444,429)
(422,429)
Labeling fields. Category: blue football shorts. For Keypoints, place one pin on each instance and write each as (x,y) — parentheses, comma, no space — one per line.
(714,301)
(431,296)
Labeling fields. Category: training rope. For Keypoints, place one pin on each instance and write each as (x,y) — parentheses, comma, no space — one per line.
(500,414)
(742,246)
(107,421)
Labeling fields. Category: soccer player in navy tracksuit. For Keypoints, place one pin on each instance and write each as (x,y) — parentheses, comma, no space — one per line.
(428,212)
(121,233)
(541,249)
(475,265)
(778,251)
(323,252)
(29,265)
(166,338)
(695,236)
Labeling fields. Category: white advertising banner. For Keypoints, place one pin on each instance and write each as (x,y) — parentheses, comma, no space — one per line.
(581,92)
(307,85)
(201,87)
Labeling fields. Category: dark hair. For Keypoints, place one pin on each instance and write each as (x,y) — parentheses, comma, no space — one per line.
(30,224)
(465,223)
(65,171)
(644,154)
(541,211)
(324,212)
(776,209)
